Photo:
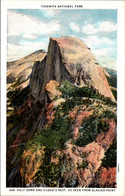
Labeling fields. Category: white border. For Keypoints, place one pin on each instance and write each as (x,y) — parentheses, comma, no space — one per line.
(120,6)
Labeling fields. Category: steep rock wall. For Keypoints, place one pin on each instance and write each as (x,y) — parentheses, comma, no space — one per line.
(69,58)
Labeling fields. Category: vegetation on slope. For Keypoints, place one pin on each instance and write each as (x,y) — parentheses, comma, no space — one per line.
(49,173)
(110,156)
(112,80)
(113,77)
(91,127)
(69,90)
(55,136)
(18,96)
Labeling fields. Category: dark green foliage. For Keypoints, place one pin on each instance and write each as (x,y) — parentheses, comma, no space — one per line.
(54,139)
(91,127)
(113,77)
(13,119)
(110,156)
(114,92)
(110,115)
(94,125)
(18,96)
(112,81)
(103,126)
(69,104)
(57,134)
(48,173)
(69,90)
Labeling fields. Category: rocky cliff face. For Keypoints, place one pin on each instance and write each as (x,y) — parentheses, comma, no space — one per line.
(69,139)
(69,58)
(18,72)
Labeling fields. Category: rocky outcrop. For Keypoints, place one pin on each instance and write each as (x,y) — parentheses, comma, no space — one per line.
(105,177)
(18,72)
(79,163)
(31,160)
(69,58)
(37,77)
(52,90)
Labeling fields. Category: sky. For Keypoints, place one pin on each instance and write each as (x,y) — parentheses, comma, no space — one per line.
(29,30)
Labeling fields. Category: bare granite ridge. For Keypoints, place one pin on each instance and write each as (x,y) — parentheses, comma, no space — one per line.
(69,58)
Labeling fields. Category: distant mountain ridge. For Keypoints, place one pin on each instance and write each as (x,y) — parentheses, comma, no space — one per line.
(112,79)
(19,71)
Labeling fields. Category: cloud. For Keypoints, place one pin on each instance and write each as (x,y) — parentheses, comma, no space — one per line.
(95,42)
(48,13)
(74,27)
(105,26)
(29,36)
(107,61)
(101,52)
(106,57)
(105,51)
(89,29)
(29,27)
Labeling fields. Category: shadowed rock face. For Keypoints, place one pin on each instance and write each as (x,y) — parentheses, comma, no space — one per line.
(18,72)
(69,58)
(105,177)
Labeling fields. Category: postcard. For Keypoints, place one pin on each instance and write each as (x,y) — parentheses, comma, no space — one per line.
(62,98)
